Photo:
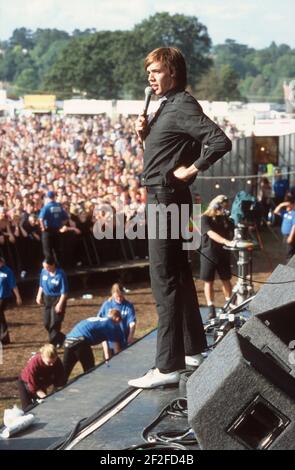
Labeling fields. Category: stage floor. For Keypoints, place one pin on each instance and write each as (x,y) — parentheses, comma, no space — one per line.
(90,394)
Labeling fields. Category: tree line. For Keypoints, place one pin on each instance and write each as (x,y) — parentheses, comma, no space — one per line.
(109,64)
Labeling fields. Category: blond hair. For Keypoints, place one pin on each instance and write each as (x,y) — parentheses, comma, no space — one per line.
(48,351)
(213,205)
(117,288)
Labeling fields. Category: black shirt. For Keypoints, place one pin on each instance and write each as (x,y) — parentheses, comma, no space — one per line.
(220,224)
(181,134)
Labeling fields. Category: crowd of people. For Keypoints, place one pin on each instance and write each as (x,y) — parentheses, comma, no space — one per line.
(58,178)
(86,162)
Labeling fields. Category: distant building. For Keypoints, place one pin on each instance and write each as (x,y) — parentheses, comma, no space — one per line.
(289,94)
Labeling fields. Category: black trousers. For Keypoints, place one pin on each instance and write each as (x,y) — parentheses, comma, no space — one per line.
(79,352)
(27,398)
(53,320)
(180,327)
(51,244)
(4,334)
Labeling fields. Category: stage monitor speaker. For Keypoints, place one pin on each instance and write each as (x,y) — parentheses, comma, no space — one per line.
(240,399)
(274,304)
(281,322)
(278,291)
(261,336)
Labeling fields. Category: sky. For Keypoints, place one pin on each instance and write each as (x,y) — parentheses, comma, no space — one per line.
(253,22)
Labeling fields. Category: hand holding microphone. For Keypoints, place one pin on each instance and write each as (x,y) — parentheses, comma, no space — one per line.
(141,122)
(141,126)
(148,94)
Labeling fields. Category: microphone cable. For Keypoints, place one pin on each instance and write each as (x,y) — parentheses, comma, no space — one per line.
(156,445)
(168,439)
(177,408)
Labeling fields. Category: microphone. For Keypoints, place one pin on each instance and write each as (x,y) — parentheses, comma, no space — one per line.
(148,94)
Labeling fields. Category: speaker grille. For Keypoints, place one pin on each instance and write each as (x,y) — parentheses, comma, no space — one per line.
(259,425)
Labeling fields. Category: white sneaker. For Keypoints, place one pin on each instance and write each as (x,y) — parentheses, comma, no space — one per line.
(155,378)
(194,361)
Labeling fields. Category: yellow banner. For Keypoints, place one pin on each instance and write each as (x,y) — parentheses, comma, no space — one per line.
(39,102)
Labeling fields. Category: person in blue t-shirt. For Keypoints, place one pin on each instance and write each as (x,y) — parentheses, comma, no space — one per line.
(7,287)
(286,210)
(53,286)
(118,301)
(280,188)
(52,218)
(91,332)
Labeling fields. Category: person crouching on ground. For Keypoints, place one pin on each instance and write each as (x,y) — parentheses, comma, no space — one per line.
(42,370)
(91,332)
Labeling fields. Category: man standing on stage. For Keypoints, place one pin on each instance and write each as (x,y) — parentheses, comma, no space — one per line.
(180,141)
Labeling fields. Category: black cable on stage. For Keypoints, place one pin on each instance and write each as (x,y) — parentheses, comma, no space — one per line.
(168,439)
(245,279)
(62,443)
(156,445)
(177,407)
(186,437)
(75,431)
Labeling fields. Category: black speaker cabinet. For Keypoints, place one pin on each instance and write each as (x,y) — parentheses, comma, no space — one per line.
(241,399)
(278,291)
(274,306)
(262,337)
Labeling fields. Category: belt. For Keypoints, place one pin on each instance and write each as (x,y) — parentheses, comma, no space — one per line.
(157,189)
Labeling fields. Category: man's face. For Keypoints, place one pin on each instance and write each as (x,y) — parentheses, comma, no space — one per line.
(160,78)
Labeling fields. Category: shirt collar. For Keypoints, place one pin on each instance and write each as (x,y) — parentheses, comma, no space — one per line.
(170,93)
(162,99)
